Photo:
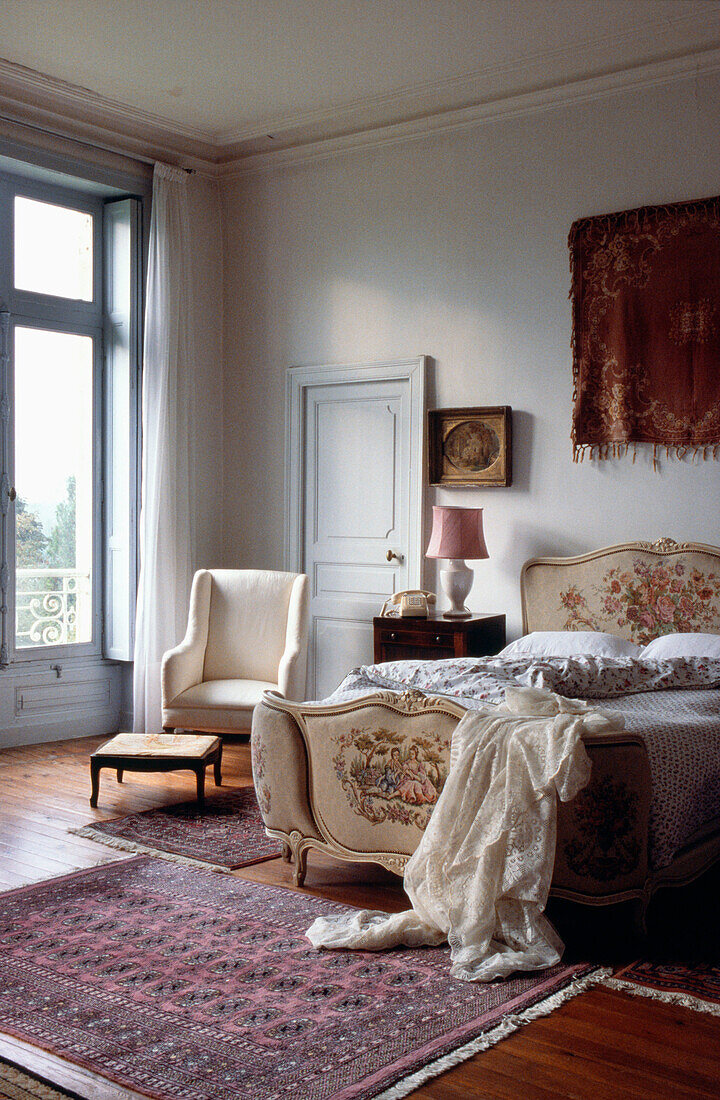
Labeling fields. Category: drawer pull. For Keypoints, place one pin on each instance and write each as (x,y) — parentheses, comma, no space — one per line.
(393,637)
(438,637)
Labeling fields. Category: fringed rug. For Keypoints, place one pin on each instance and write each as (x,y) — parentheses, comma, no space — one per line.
(693,986)
(185,985)
(228,833)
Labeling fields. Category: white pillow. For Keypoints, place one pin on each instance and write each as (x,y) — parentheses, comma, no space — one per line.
(570,643)
(682,645)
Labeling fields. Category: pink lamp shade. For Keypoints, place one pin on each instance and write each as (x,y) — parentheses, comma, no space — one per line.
(457,533)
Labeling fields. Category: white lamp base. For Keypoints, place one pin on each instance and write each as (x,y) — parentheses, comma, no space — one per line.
(456,580)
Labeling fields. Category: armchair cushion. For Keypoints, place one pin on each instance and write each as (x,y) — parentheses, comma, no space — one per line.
(224,693)
(217,704)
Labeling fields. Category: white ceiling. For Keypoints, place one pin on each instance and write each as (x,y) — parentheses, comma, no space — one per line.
(230,71)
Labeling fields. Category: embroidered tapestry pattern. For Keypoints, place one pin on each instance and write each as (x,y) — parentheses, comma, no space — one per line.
(649,599)
(259,766)
(605,845)
(646,330)
(388,777)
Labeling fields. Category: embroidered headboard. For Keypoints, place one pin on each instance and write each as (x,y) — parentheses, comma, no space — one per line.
(637,590)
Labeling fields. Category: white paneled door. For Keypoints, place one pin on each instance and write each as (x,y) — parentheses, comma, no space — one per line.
(358,502)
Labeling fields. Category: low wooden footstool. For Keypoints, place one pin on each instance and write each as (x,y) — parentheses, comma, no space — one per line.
(157,752)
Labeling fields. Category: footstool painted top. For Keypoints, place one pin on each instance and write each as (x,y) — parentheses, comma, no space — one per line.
(190,746)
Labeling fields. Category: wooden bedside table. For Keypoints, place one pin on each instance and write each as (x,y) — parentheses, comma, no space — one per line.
(436,637)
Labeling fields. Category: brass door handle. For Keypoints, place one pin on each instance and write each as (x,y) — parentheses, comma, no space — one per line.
(391,554)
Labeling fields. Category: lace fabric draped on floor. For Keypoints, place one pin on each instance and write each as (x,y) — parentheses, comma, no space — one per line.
(481,874)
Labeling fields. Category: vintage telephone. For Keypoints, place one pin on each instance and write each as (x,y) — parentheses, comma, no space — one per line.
(412,603)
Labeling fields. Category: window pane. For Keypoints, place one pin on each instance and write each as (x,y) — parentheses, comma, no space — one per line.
(53,249)
(53,478)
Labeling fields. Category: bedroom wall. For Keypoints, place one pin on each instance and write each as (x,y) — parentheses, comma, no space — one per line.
(455,246)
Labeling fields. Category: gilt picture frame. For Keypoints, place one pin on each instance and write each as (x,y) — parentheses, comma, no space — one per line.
(470,447)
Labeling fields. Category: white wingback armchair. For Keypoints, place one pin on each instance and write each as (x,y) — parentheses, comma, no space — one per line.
(246,634)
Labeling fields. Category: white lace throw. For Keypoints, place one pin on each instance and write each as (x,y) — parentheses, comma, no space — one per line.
(481,874)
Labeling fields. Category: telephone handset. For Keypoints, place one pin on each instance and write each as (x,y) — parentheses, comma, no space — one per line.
(412,603)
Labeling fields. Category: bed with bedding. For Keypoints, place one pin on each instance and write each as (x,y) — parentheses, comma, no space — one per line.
(634,629)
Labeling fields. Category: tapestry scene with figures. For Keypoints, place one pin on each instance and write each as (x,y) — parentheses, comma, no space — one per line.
(646,330)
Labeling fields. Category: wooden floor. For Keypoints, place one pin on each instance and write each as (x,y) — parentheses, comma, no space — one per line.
(602,1044)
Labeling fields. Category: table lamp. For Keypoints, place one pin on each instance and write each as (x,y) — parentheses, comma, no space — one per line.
(457,533)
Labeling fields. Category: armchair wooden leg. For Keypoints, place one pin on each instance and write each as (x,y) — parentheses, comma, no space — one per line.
(119,775)
(286,852)
(217,769)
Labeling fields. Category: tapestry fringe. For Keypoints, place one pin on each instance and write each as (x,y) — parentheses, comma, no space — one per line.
(685,1000)
(574,295)
(90,833)
(602,451)
(643,216)
(510,1024)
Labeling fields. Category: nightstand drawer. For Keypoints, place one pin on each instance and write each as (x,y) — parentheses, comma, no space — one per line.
(408,644)
(419,637)
(408,651)
(436,637)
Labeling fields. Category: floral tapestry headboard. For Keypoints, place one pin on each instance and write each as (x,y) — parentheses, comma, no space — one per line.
(637,590)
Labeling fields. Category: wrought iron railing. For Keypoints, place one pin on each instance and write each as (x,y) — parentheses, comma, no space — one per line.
(53,607)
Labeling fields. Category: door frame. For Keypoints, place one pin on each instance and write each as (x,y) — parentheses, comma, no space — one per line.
(298,380)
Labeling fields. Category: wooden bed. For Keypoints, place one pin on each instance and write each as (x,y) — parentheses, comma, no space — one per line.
(303,754)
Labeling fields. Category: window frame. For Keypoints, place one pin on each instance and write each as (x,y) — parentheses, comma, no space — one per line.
(67,650)
(32,309)
(34,303)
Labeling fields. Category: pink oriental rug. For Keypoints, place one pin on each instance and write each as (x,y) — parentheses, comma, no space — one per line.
(228,833)
(187,985)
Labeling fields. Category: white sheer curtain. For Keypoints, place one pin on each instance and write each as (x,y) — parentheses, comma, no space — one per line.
(168,406)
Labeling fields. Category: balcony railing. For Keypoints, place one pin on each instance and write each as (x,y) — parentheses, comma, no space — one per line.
(53,607)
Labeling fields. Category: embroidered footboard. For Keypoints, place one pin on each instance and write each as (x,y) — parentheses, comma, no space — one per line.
(603,834)
(359,780)
(375,772)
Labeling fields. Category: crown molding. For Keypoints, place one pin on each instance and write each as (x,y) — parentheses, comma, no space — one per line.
(57,108)
(69,111)
(583,90)
(651,43)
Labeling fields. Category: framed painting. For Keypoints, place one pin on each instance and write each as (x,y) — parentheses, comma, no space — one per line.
(470,446)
